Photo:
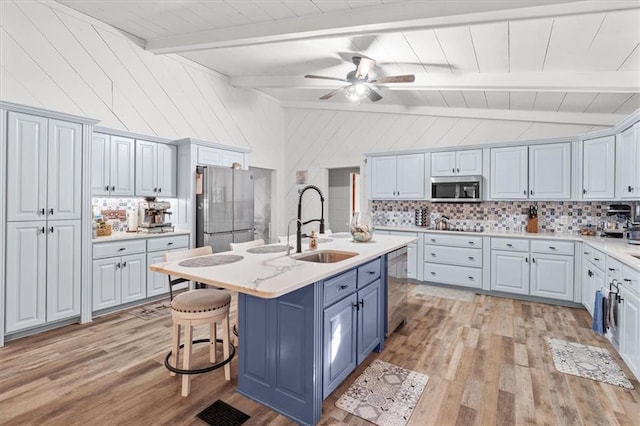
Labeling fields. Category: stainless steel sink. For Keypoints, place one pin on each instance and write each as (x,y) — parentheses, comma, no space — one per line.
(326,256)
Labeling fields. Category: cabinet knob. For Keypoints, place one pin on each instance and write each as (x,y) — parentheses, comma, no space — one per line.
(118,265)
(533,260)
(433,273)
(472,243)
(584,191)
(471,278)
(433,240)
(170,243)
(343,287)
(453,170)
(458,170)
(122,249)
(552,248)
(371,272)
(433,254)
(630,188)
(155,189)
(124,264)
(159,189)
(471,258)
(531,192)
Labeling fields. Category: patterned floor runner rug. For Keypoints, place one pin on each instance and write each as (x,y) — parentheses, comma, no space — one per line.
(590,362)
(384,394)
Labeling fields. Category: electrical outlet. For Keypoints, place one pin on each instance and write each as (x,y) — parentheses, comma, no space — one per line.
(564,220)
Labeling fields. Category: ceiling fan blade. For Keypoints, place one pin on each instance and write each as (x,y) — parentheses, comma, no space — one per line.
(374,96)
(409,78)
(364,65)
(332,93)
(322,77)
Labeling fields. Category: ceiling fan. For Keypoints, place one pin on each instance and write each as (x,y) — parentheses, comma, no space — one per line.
(360,86)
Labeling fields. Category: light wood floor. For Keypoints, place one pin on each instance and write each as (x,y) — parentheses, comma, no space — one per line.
(488,363)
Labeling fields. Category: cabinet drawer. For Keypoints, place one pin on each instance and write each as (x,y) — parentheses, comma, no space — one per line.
(120,248)
(614,269)
(368,272)
(448,274)
(453,255)
(338,287)
(453,240)
(594,256)
(513,244)
(554,247)
(168,243)
(631,279)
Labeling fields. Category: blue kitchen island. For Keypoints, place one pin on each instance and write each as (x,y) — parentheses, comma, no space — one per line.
(303,326)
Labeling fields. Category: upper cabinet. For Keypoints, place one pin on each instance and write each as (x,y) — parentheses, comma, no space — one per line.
(44,165)
(598,168)
(156,169)
(456,163)
(537,172)
(397,177)
(628,164)
(112,165)
(209,156)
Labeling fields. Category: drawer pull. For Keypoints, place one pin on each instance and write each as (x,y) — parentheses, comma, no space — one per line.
(433,240)
(586,252)
(471,278)
(596,259)
(509,245)
(372,272)
(118,265)
(170,243)
(344,287)
(122,249)
(472,258)
(124,264)
(433,273)
(113,188)
(612,269)
(433,254)
(627,279)
(472,243)
(552,248)
(106,188)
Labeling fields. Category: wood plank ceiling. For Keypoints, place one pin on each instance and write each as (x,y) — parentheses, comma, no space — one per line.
(551,56)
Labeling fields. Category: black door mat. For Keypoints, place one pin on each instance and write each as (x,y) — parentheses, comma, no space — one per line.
(222,414)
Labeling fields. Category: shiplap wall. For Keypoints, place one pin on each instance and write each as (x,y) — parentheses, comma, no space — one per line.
(55,58)
(317,140)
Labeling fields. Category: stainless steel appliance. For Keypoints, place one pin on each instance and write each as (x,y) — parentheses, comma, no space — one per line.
(224,207)
(456,189)
(617,221)
(152,216)
(396,289)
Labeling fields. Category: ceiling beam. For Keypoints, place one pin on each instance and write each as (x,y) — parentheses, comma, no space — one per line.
(584,118)
(399,16)
(585,82)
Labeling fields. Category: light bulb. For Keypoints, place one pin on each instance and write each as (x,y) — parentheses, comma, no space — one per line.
(357,92)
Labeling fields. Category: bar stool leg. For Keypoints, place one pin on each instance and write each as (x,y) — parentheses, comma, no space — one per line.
(186,365)
(225,346)
(213,331)
(175,345)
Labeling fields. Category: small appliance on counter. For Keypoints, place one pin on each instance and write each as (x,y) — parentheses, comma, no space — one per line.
(421,218)
(152,216)
(618,220)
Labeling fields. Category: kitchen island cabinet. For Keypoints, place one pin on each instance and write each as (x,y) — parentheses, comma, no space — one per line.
(283,307)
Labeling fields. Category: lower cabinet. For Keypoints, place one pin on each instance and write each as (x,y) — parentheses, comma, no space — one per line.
(43,273)
(453,259)
(157,283)
(552,276)
(510,271)
(119,280)
(592,279)
(351,331)
(629,320)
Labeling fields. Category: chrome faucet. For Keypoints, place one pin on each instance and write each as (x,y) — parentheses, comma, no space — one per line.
(289,234)
(300,222)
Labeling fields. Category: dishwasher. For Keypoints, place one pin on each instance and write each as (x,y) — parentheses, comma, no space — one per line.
(396,289)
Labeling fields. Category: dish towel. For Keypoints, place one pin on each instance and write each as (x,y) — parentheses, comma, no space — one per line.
(612,317)
(598,313)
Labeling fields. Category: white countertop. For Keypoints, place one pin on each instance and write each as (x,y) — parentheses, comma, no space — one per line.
(617,248)
(272,275)
(118,236)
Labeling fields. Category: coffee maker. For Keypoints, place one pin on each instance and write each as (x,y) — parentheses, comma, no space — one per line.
(617,221)
(152,216)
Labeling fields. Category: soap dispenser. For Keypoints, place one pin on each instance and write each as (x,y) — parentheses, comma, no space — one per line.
(313,240)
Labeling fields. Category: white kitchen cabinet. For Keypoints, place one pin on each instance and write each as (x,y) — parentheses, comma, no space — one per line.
(598,168)
(43,272)
(629,321)
(628,163)
(552,276)
(510,271)
(453,259)
(537,172)
(44,158)
(156,169)
(509,177)
(456,163)
(112,165)
(118,280)
(157,283)
(397,177)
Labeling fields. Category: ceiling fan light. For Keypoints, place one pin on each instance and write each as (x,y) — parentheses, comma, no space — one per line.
(357,92)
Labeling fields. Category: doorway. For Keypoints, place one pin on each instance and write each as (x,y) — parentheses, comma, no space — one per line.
(343,197)
(263,190)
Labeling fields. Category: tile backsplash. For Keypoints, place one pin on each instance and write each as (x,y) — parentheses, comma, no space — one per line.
(128,204)
(553,216)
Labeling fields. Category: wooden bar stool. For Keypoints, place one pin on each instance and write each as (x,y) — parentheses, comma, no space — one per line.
(193,308)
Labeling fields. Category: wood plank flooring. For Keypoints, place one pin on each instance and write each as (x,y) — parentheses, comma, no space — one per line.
(487,360)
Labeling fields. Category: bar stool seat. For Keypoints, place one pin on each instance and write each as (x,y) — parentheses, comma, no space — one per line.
(193,308)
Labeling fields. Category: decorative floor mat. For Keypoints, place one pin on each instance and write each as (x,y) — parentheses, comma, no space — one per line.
(590,362)
(222,414)
(384,394)
(445,292)
(156,310)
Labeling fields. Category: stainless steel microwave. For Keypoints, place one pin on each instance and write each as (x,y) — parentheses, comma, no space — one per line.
(456,189)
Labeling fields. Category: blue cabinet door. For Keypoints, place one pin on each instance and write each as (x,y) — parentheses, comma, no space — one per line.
(369,319)
(339,343)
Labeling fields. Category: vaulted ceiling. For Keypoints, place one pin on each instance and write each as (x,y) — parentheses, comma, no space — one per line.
(547,60)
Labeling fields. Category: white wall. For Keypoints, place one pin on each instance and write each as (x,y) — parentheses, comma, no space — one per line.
(55,58)
(320,139)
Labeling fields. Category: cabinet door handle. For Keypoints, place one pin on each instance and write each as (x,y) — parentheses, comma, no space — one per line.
(106,188)
(43,230)
(51,229)
(124,264)
(453,170)
(362,303)
(159,189)
(371,272)
(552,248)
(627,279)
(113,188)
(531,192)
(433,273)
(524,192)
(458,170)
(526,260)
(356,306)
(433,240)
(612,269)
(118,265)
(51,212)
(472,243)
(596,259)
(509,245)
(343,287)
(471,278)
(584,191)
(42,212)
(630,188)
(585,252)
(589,272)
(533,260)
(155,189)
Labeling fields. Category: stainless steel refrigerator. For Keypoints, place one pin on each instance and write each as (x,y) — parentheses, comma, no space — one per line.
(224,207)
